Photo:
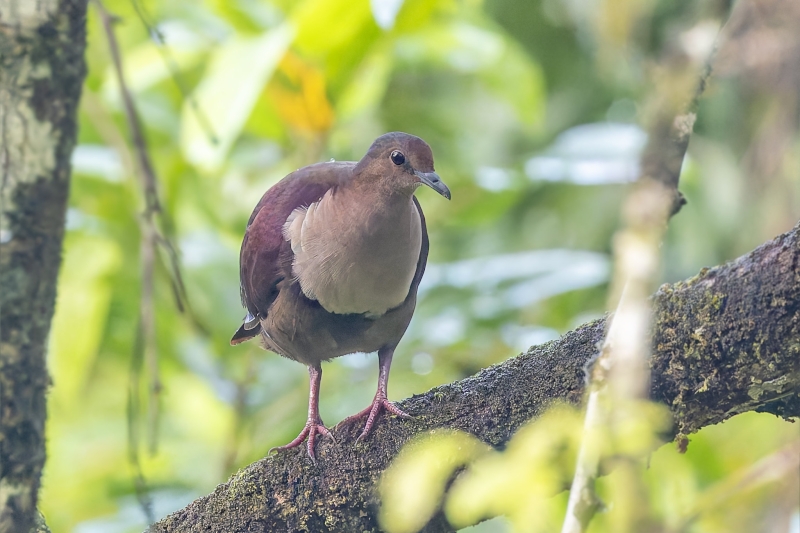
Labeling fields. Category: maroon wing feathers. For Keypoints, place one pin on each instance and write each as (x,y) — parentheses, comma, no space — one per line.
(265,258)
(423,251)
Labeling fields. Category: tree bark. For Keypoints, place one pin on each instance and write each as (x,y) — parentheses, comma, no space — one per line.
(724,342)
(41,73)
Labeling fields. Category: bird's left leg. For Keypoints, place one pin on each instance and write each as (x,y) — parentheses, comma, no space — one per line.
(314,425)
(380,401)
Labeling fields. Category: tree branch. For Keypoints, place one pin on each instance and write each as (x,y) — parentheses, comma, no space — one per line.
(724,342)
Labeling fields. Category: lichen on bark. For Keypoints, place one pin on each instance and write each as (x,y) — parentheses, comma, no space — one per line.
(41,73)
(729,338)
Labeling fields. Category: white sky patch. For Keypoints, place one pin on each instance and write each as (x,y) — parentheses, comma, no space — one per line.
(97,160)
(494,179)
(446,329)
(385,12)
(591,154)
(355,360)
(422,363)
(523,337)
(518,280)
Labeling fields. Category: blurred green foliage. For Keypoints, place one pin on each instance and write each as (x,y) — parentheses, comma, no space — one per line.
(531,109)
(718,485)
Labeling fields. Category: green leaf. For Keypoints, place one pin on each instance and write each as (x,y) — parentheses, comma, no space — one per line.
(84,295)
(232,84)
(413,485)
(146,65)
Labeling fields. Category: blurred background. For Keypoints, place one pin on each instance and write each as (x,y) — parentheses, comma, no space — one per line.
(533,109)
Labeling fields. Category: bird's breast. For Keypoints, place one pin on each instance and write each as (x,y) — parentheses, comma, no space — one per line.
(354,256)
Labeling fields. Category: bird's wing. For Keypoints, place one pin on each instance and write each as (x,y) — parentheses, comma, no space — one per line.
(423,251)
(265,258)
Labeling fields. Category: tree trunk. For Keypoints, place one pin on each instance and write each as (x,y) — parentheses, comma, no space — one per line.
(41,73)
(724,342)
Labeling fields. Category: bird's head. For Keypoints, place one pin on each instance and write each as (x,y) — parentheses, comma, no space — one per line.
(401,162)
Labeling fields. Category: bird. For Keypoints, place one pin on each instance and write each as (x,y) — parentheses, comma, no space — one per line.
(330,264)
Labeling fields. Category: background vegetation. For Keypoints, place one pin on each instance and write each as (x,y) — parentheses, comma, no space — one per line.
(531,108)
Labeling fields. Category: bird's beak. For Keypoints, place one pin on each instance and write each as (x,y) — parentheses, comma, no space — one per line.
(432,180)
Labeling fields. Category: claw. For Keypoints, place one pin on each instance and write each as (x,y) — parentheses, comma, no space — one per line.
(310,431)
(372,412)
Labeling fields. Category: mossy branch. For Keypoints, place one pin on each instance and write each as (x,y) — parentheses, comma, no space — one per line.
(724,342)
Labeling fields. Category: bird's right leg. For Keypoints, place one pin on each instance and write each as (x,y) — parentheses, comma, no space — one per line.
(314,425)
(380,402)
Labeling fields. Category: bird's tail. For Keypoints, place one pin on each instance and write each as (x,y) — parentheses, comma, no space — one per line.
(249,329)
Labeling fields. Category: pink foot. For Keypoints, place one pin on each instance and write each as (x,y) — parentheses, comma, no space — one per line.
(313,427)
(371,412)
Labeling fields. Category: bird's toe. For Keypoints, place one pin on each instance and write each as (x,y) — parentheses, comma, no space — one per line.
(309,433)
(371,413)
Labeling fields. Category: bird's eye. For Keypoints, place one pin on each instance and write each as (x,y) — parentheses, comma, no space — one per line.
(398,158)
